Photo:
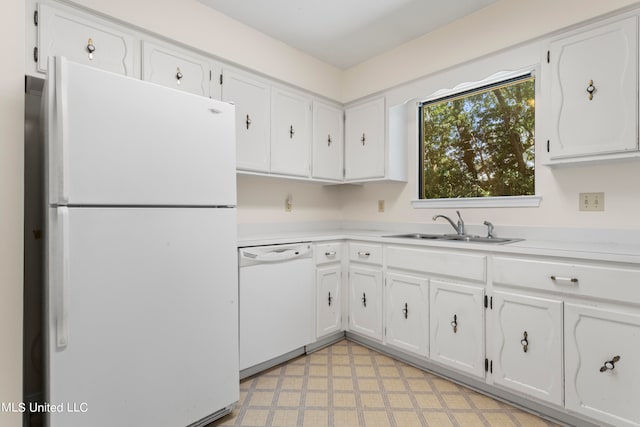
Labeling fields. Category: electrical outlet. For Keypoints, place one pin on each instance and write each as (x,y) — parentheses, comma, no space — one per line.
(591,202)
(288,203)
(380,205)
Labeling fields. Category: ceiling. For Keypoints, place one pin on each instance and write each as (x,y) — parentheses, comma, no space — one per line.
(345,32)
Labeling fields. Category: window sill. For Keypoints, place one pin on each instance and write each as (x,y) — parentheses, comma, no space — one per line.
(479,202)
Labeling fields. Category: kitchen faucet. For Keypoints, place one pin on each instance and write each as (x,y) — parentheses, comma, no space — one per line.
(459,228)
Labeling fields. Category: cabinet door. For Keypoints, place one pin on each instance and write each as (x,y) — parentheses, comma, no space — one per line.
(407,307)
(365,301)
(176,69)
(527,345)
(457,326)
(290,133)
(84,39)
(364,141)
(602,350)
(327,142)
(328,301)
(252,100)
(603,61)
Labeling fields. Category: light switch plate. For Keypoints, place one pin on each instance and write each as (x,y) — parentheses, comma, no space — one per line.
(591,202)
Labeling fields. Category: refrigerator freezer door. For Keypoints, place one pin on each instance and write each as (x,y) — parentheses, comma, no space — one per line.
(151,308)
(114,140)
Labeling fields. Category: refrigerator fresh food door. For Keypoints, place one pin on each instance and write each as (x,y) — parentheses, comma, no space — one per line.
(142,310)
(115,140)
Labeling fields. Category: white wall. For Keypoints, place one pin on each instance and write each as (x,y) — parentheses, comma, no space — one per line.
(503,24)
(11,194)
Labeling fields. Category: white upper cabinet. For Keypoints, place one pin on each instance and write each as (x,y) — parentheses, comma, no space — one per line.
(179,69)
(252,100)
(593,92)
(527,345)
(364,141)
(602,349)
(407,308)
(328,130)
(85,39)
(290,132)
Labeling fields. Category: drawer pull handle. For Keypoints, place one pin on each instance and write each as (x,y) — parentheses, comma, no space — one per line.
(329,140)
(363,139)
(525,341)
(591,89)
(330,299)
(179,75)
(609,365)
(564,279)
(330,254)
(291,132)
(405,311)
(364,299)
(364,253)
(247,122)
(454,324)
(90,48)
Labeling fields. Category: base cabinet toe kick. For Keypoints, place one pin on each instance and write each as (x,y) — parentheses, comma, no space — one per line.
(557,336)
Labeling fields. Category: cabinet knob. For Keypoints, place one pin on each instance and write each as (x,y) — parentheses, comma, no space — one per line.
(609,365)
(179,75)
(90,48)
(364,299)
(454,324)
(405,311)
(330,299)
(363,139)
(525,341)
(247,121)
(591,89)
(291,132)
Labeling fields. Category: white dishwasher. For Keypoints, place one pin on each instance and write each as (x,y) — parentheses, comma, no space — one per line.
(276,302)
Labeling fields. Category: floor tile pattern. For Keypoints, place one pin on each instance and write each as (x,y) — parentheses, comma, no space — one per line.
(350,385)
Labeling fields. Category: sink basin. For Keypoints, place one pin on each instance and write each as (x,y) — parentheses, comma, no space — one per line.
(456,237)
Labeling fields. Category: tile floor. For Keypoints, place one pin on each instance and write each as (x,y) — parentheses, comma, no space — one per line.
(349,385)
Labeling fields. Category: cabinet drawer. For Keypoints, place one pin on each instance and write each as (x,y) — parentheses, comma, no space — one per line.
(459,265)
(328,252)
(84,39)
(610,282)
(364,252)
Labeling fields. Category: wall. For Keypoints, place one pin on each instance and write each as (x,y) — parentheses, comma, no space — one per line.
(11,193)
(500,25)
(558,187)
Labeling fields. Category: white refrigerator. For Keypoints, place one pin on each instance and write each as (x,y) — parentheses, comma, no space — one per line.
(141,285)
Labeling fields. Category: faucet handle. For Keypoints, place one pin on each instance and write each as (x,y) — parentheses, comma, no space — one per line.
(489,229)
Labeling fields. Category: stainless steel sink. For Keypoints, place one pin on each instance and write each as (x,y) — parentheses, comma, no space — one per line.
(456,237)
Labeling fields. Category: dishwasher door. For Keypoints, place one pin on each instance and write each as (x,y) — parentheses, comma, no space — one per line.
(276,301)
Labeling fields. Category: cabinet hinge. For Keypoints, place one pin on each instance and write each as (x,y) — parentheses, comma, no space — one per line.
(486,365)
(548,145)
(486,301)
(35,54)
(35,18)
(548,56)
(209,75)
(385,331)
(221,78)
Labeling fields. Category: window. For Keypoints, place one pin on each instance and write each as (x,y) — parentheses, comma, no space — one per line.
(479,143)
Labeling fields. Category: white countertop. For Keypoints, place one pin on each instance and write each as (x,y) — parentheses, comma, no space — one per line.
(580,250)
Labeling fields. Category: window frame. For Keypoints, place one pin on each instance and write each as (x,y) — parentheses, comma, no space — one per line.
(489,202)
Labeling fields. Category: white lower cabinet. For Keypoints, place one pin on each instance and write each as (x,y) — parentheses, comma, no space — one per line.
(365,301)
(527,345)
(457,326)
(407,309)
(328,300)
(602,351)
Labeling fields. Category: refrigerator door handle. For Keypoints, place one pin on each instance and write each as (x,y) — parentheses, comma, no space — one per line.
(61,131)
(61,277)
